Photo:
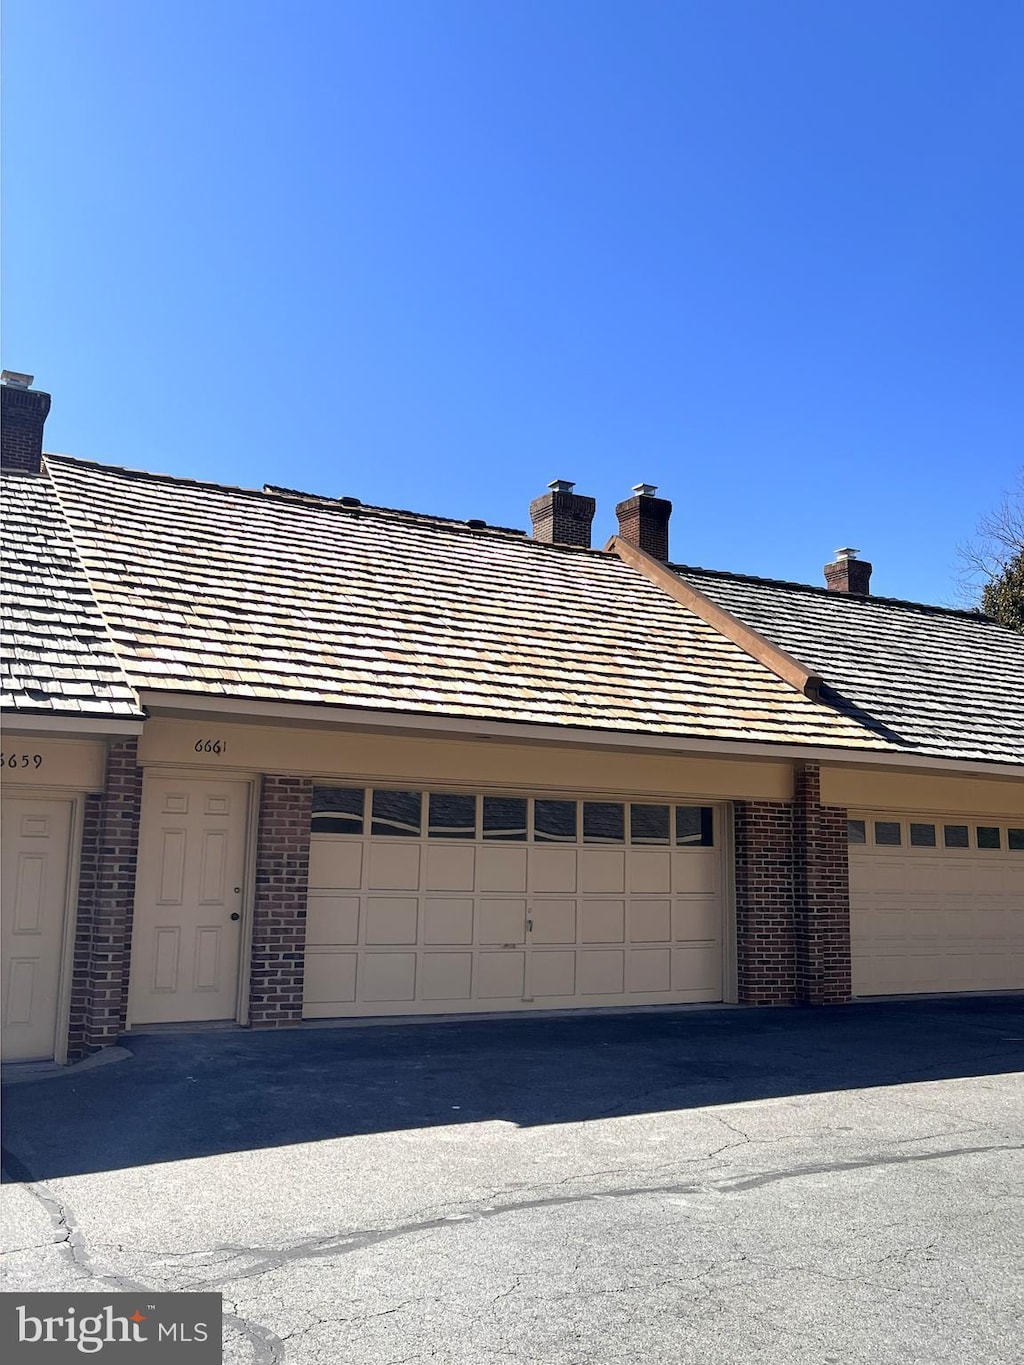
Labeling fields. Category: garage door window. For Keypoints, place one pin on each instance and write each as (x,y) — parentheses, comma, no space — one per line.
(396,813)
(925,835)
(509,819)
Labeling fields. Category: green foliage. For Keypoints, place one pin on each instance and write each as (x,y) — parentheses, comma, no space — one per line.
(1003,597)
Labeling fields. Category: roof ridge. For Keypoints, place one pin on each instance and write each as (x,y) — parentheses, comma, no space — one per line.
(819,591)
(295,495)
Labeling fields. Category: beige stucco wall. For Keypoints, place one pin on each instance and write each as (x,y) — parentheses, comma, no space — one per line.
(396,759)
(863,789)
(76,765)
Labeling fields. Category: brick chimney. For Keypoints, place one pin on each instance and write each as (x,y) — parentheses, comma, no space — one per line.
(643,520)
(849,574)
(562,517)
(23,412)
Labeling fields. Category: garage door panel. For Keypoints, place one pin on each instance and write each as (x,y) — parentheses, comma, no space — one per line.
(394,867)
(336,864)
(601,971)
(501,976)
(695,918)
(602,870)
(448,920)
(330,979)
(501,869)
(553,973)
(693,967)
(650,871)
(603,921)
(501,921)
(651,921)
(694,872)
(332,919)
(554,921)
(391,920)
(450,868)
(447,976)
(553,869)
(650,970)
(389,976)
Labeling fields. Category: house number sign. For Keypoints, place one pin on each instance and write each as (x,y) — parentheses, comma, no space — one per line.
(211,746)
(21,760)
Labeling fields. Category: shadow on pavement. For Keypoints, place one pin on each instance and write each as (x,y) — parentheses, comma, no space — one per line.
(193,1095)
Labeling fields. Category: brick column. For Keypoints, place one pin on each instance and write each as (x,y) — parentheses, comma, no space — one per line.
(765,946)
(822,899)
(279,913)
(106,899)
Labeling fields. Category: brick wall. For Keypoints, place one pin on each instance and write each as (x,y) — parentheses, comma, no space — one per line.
(279,913)
(822,893)
(765,940)
(106,897)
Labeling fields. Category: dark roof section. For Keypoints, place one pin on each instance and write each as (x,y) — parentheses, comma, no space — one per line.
(935,680)
(57,657)
(231,592)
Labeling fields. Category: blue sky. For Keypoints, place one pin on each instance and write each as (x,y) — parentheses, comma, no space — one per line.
(765,254)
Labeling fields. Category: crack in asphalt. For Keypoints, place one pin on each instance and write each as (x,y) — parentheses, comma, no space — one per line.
(267,1349)
(268,1259)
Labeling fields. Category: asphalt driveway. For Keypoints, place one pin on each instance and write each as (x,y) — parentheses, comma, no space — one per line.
(729,1186)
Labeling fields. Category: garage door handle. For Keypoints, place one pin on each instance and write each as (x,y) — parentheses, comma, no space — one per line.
(235,915)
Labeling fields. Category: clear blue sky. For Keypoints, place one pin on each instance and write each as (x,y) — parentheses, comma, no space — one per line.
(765,254)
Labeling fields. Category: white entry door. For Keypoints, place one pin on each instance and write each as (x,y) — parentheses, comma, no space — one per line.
(188,901)
(36,845)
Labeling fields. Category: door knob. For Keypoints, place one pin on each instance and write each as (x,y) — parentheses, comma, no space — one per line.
(235,915)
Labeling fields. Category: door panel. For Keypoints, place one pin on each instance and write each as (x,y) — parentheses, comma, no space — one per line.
(185,952)
(36,848)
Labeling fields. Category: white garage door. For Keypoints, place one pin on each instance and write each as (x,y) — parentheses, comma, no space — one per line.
(427,903)
(936,903)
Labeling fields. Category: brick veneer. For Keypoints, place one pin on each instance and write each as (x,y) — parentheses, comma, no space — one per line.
(792,898)
(106,896)
(279,912)
(765,940)
(822,893)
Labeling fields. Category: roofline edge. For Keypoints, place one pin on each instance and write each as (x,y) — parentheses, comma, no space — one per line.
(315,715)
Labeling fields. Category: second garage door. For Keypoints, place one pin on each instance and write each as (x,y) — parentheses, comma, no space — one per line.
(449,902)
(936,904)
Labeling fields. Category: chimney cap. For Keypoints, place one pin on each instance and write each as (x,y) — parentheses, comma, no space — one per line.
(561,485)
(847,552)
(645,490)
(16,380)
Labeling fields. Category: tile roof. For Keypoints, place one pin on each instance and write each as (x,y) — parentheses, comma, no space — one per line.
(56,655)
(291,598)
(932,680)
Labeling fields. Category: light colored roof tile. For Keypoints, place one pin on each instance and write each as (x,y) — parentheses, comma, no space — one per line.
(233,592)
